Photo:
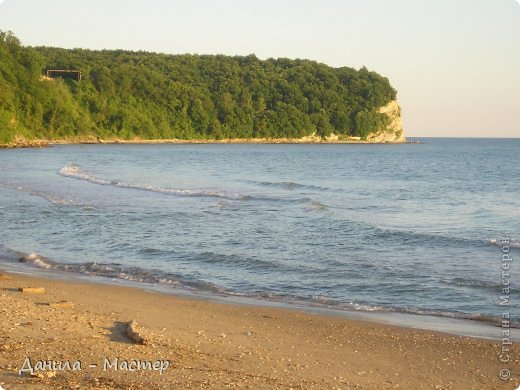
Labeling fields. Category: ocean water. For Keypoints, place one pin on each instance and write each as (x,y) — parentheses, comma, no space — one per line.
(411,229)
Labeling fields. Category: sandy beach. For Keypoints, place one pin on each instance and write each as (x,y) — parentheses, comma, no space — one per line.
(198,344)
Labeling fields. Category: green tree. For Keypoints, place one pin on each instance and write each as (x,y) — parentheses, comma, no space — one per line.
(138,94)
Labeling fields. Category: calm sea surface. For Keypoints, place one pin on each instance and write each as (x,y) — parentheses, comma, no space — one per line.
(357,228)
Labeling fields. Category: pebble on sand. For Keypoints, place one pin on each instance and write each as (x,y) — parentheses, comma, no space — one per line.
(135,333)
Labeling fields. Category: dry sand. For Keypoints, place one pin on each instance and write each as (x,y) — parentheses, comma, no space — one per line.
(214,345)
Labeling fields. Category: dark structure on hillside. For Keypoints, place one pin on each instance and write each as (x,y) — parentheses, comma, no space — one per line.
(64,74)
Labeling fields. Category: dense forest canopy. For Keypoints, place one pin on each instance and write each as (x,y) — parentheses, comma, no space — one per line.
(145,95)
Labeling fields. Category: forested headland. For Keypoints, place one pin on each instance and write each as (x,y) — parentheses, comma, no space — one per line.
(140,95)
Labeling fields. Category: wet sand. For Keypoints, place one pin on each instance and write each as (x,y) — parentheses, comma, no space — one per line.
(216,345)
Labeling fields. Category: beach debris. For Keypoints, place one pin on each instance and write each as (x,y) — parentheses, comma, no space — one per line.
(23,324)
(4,277)
(62,305)
(32,290)
(135,333)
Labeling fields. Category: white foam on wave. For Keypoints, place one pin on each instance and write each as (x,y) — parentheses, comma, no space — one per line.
(36,260)
(75,172)
(78,173)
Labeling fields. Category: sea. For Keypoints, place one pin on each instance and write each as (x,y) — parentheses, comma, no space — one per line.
(423,235)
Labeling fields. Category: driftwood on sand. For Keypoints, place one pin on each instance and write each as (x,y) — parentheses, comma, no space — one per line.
(32,290)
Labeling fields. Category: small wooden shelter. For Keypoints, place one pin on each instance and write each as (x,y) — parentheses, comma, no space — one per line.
(64,74)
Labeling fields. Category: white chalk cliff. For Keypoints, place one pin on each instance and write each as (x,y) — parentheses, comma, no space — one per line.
(394,131)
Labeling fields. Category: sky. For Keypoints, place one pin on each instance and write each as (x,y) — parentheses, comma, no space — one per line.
(454,63)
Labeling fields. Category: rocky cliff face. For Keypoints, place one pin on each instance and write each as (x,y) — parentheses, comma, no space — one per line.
(394,131)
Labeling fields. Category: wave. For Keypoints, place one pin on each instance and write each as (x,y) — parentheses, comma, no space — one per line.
(37,261)
(137,274)
(426,239)
(48,197)
(314,205)
(323,301)
(361,307)
(472,284)
(289,185)
(110,270)
(403,236)
(7,254)
(436,313)
(76,172)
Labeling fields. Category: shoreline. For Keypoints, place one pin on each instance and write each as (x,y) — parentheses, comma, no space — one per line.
(454,326)
(216,344)
(288,141)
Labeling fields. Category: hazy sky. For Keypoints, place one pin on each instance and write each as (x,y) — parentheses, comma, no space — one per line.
(455,63)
